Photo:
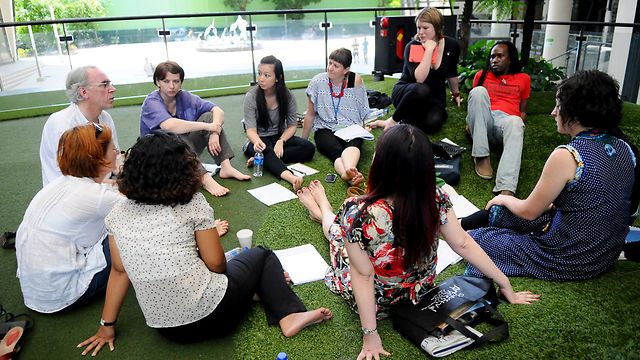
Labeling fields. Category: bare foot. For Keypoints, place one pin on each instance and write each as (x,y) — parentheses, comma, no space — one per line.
(222,226)
(353,176)
(293,323)
(357,180)
(297,183)
(310,204)
(228,172)
(317,190)
(213,187)
(287,278)
(250,162)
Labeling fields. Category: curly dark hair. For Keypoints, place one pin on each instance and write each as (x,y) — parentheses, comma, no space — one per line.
(592,99)
(160,169)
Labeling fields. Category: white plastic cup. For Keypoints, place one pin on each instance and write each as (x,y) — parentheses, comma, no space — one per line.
(245,238)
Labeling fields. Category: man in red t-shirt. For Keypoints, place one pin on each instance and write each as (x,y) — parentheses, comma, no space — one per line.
(496,115)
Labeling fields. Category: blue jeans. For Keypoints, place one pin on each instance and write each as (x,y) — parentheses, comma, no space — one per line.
(98,284)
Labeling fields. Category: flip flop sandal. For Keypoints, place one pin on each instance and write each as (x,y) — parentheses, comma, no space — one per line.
(8,240)
(8,344)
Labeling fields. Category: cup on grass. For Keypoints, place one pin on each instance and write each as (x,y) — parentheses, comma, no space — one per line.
(245,237)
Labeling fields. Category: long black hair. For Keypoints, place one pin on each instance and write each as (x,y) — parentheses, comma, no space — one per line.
(592,98)
(282,96)
(515,66)
(402,170)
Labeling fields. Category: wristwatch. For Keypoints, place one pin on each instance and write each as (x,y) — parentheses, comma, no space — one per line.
(369,331)
(104,323)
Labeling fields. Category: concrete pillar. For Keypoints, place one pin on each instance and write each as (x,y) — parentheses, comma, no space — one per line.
(499,30)
(556,36)
(622,40)
(6,7)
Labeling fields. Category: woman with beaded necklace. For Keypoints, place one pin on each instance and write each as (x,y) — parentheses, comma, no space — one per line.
(337,99)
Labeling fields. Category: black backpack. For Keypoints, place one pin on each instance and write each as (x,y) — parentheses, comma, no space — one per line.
(378,100)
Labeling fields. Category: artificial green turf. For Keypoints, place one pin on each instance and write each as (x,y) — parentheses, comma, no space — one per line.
(587,319)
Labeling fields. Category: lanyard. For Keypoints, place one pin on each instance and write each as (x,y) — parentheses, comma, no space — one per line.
(336,108)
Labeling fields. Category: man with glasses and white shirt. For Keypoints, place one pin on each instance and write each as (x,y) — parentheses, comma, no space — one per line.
(90,92)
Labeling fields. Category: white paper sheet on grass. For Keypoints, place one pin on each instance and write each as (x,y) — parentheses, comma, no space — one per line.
(461,205)
(303,263)
(272,194)
(446,256)
(301,169)
(354,131)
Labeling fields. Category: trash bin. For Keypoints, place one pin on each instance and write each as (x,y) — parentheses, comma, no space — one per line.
(392,35)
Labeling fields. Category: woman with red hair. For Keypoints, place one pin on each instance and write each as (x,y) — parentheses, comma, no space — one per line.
(61,247)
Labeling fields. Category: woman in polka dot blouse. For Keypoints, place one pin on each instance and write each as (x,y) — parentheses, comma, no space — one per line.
(573,224)
(163,240)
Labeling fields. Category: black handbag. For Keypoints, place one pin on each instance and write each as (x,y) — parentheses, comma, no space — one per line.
(448,169)
(456,304)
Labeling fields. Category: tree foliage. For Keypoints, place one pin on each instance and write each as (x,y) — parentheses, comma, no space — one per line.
(237,4)
(293,4)
(34,10)
(544,76)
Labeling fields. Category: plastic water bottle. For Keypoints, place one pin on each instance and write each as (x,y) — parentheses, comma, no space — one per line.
(258,163)
(234,252)
(282,356)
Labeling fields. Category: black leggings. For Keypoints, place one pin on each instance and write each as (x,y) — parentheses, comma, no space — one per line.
(332,146)
(296,150)
(255,271)
(416,105)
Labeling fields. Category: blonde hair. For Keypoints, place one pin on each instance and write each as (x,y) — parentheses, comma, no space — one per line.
(434,17)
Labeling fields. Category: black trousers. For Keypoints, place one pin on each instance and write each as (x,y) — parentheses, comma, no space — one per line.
(332,146)
(416,105)
(296,150)
(255,271)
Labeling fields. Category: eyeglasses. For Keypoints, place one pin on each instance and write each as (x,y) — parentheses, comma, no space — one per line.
(105,84)
(99,129)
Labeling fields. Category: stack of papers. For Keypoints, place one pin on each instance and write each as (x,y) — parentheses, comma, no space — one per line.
(352,132)
(272,194)
(303,263)
(301,170)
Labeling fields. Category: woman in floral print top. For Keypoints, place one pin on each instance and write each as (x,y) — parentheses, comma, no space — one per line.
(383,245)
(373,229)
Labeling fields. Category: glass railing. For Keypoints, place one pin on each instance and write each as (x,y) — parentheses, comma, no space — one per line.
(219,51)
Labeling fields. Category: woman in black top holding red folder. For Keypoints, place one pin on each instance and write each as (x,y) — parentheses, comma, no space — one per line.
(429,59)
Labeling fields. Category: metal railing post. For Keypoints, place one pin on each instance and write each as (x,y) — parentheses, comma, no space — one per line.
(251,28)
(580,38)
(164,36)
(66,44)
(326,41)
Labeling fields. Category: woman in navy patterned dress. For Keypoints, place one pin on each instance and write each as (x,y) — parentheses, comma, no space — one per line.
(573,224)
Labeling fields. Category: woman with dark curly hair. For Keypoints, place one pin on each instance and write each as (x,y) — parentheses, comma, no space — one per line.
(61,244)
(573,224)
(163,240)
